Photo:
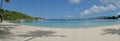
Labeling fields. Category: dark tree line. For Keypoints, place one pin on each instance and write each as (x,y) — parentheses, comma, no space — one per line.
(109,17)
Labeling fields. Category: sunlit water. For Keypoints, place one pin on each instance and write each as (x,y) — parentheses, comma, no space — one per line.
(75,23)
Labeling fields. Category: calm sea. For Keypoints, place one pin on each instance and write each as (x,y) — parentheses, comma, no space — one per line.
(74,23)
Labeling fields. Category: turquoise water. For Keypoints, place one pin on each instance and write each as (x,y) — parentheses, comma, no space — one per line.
(75,23)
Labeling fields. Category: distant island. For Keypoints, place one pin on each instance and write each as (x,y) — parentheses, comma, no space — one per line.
(109,17)
(17,16)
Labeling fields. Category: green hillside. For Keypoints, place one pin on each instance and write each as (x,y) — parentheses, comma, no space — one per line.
(13,15)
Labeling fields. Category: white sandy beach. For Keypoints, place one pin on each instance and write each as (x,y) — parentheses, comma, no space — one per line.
(110,33)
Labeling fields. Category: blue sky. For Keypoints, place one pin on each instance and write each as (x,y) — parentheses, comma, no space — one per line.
(62,9)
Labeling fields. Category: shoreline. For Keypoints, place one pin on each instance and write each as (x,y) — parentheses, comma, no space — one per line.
(65,34)
(108,26)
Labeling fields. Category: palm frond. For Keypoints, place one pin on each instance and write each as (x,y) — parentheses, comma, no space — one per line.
(7,1)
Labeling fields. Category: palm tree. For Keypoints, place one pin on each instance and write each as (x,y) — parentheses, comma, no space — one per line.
(7,1)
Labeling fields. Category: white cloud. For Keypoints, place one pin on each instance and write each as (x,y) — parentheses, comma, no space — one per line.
(118,13)
(115,2)
(98,9)
(74,1)
(109,5)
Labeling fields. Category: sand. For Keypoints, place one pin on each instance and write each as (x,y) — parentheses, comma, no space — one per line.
(33,33)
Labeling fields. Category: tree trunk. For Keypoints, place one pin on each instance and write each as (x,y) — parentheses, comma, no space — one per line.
(1,18)
(1,4)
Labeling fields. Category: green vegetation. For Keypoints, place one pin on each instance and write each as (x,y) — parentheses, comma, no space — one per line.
(13,15)
(109,17)
(1,4)
(118,16)
(38,18)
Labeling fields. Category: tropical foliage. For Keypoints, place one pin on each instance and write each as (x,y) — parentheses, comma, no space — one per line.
(13,15)
(7,1)
(109,17)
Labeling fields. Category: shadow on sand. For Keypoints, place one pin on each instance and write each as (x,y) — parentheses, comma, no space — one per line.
(111,31)
(40,34)
(5,33)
